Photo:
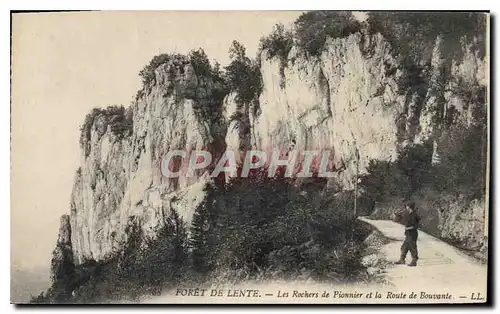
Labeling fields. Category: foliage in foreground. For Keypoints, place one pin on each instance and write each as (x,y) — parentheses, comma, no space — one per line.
(264,224)
(144,266)
(257,226)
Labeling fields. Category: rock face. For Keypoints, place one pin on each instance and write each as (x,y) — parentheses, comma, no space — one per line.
(62,264)
(120,178)
(348,100)
(343,101)
(464,225)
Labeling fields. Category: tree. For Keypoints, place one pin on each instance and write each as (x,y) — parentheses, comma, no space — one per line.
(202,239)
(199,60)
(278,43)
(243,75)
(315,27)
(237,51)
(166,256)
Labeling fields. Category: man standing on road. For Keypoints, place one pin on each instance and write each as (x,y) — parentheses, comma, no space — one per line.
(411,235)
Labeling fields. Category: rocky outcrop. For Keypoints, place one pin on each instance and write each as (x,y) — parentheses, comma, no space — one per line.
(120,178)
(464,224)
(62,265)
(349,100)
(326,103)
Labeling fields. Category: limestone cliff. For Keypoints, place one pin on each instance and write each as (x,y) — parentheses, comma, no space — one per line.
(121,177)
(351,99)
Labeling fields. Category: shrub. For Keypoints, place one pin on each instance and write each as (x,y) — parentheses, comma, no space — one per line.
(462,169)
(312,29)
(202,240)
(383,181)
(278,44)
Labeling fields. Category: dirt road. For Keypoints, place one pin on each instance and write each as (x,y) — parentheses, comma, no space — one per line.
(441,268)
(443,275)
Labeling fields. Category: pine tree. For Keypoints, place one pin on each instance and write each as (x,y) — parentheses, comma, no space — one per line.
(203,239)
(166,255)
(132,251)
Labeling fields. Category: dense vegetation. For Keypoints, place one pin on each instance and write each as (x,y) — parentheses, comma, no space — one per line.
(269,225)
(148,72)
(314,28)
(211,88)
(256,227)
(310,33)
(144,266)
(458,174)
(278,44)
(412,35)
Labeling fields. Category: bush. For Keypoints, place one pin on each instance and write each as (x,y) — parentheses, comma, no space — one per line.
(202,240)
(201,64)
(384,181)
(312,29)
(147,262)
(278,44)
